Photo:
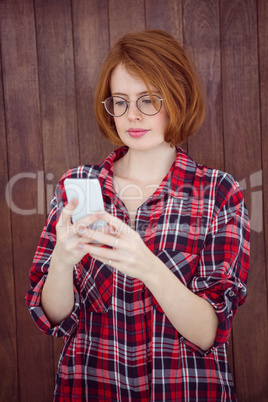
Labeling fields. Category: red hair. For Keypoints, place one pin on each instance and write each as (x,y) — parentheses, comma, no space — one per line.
(159,60)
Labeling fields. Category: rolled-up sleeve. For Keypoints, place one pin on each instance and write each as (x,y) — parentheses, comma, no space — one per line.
(39,271)
(222,272)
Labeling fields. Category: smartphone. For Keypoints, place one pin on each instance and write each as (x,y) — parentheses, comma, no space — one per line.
(89,196)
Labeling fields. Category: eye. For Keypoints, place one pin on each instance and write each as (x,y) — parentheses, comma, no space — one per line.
(119,103)
(147,101)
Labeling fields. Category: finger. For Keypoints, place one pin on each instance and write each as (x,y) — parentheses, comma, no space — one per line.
(91,222)
(103,254)
(116,224)
(107,237)
(104,238)
(67,211)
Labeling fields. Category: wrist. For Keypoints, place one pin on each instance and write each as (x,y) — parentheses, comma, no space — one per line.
(154,272)
(57,263)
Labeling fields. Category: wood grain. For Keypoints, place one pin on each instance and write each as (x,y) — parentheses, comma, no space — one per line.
(57,96)
(57,86)
(25,156)
(241,113)
(124,17)
(263,63)
(8,342)
(206,146)
(166,16)
(91,46)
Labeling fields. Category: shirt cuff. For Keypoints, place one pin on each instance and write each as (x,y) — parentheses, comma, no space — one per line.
(66,327)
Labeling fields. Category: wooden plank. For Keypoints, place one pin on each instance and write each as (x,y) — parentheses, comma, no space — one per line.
(20,79)
(91,46)
(57,96)
(166,16)
(263,62)
(8,343)
(202,40)
(124,17)
(57,86)
(243,159)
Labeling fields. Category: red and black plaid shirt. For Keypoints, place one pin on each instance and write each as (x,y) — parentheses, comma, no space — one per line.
(118,343)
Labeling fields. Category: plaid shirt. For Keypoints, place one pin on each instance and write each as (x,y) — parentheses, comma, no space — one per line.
(118,343)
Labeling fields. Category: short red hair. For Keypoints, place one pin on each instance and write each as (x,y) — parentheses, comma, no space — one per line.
(158,59)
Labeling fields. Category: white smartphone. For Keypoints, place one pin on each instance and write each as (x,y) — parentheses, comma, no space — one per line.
(89,196)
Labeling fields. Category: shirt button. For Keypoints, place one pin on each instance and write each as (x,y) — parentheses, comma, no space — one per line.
(231,293)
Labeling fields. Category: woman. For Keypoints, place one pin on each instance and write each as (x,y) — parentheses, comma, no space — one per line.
(147,316)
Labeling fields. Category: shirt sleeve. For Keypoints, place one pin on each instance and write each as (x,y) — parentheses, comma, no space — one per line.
(40,268)
(222,272)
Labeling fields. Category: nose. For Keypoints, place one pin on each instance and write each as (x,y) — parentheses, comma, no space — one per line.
(132,111)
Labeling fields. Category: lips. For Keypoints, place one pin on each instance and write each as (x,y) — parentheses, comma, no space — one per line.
(137,132)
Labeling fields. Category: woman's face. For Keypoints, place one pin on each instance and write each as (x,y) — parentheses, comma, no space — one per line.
(137,130)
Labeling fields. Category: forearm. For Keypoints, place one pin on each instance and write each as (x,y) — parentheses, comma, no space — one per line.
(57,297)
(191,315)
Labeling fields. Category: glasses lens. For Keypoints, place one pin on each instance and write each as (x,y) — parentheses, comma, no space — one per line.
(115,105)
(149,106)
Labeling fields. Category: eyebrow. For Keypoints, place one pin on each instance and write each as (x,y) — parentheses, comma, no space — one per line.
(138,94)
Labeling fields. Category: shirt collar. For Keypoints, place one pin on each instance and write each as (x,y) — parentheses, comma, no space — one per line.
(178,182)
(183,175)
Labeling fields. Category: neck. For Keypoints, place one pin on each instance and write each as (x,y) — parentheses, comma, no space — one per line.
(145,165)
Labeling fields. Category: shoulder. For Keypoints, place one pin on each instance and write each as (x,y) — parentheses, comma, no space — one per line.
(206,181)
(218,184)
(222,195)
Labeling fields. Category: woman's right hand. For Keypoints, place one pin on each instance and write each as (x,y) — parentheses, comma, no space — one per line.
(57,297)
(71,246)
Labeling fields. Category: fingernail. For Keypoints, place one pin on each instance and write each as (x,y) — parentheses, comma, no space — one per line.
(81,246)
(73,201)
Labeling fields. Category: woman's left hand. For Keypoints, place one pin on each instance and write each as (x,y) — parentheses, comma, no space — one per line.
(126,252)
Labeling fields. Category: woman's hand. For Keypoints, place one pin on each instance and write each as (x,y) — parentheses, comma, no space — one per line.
(57,297)
(71,243)
(126,250)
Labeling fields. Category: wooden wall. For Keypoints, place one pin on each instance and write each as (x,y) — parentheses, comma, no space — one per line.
(51,53)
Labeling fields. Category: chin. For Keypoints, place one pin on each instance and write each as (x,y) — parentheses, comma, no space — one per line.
(146,146)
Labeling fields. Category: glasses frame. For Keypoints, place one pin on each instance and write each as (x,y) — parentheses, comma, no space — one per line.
(128,103)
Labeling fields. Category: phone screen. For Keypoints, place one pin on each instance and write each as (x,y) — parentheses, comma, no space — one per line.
(89,196)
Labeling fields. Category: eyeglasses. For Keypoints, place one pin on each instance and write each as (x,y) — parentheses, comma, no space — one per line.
(117,105)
